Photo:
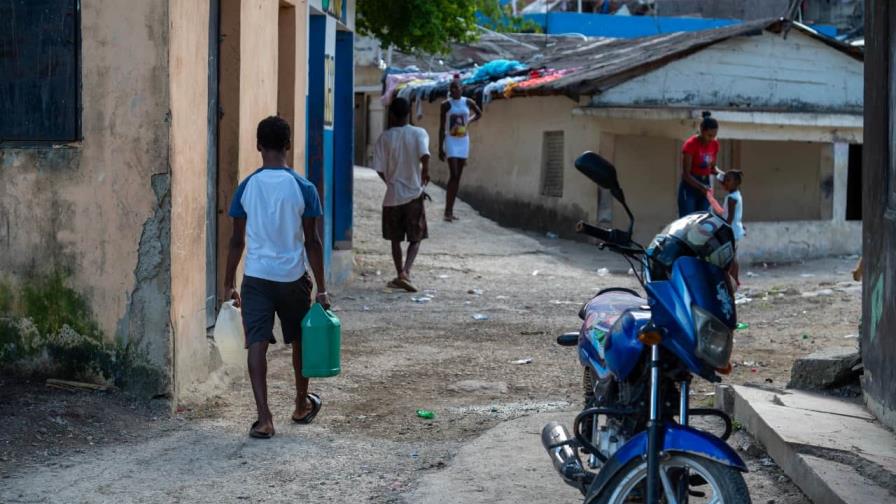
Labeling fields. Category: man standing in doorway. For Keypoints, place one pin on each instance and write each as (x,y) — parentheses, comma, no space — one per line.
(401,158)
(276,211)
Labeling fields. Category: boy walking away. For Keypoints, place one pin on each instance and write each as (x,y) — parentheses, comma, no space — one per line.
(275,211)
(401,159)
(731,211)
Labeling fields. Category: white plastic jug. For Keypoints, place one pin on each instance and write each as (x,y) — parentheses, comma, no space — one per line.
(229,335)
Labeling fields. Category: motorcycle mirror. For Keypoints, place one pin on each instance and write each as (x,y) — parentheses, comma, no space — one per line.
(603,173)
(599,170)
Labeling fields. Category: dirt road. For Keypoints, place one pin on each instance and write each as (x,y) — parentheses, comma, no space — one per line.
(402,353)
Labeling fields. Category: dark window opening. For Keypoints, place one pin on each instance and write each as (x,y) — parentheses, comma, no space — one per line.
(552,164)
(854,184)
(39,63)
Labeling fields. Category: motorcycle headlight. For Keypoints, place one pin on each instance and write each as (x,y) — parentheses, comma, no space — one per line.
(714,338)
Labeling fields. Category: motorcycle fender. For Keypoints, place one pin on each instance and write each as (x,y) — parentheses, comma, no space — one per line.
(676,439)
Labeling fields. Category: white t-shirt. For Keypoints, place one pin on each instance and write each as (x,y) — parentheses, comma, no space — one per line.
(737,225)
(274,200)
(397,156)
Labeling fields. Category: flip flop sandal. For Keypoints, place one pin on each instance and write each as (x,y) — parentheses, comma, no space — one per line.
(404,284)
(253,432)
(315,409)
(393,284)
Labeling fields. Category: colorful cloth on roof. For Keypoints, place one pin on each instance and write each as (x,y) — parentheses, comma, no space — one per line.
(496,69)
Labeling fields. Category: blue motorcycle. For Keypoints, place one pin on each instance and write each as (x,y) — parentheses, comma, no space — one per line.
(639,356)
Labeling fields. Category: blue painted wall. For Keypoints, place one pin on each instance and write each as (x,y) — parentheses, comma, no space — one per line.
(604,25)
(320,138)
(343,130)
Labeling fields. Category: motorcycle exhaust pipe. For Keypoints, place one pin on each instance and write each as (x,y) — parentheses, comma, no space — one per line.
(555,439)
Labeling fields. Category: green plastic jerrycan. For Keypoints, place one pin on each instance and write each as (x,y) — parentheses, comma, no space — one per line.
(321,342)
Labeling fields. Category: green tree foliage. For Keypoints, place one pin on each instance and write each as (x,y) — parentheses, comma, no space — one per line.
(500,18)
(418,25)
(431,26)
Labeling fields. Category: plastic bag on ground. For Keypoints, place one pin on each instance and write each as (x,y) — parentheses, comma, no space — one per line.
(229,336)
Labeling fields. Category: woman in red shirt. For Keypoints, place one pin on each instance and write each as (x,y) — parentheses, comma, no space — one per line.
(699,156)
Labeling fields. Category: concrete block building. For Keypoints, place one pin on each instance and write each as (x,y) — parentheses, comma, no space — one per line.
(788,100)
(125,129)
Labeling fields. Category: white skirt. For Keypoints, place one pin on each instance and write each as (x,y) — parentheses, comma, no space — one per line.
(457,147)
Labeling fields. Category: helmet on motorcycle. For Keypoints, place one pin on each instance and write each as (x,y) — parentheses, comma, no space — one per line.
(702,235)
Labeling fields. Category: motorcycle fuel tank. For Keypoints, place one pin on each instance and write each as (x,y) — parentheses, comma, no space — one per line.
(608,340)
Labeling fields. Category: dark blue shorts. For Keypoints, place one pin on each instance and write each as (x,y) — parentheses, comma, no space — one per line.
(263,298)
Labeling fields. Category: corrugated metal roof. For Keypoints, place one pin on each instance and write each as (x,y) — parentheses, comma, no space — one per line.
(602,63)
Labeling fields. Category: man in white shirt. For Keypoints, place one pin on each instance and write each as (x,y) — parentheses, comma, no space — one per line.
(401,158)
(275,212)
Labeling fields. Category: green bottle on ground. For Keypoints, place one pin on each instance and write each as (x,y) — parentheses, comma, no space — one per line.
(321,342)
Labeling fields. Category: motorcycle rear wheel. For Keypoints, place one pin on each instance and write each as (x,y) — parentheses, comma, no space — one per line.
(725,485)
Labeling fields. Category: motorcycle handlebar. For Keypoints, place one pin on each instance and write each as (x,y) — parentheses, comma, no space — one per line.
(583,227)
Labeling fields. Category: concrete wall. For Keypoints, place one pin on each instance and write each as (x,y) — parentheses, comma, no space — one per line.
(100,207)
(188,77)
(649,175)
(765,72)
(503,176)
(781,180)
(258,75)
(788,185)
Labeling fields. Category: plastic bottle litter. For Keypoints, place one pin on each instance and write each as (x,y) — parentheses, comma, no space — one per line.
(603,272)
(552,236)
(535,273)
(428,415)
(480,316)
(421,299)
(475,292)
(229,335)
(742,325)
(527,360)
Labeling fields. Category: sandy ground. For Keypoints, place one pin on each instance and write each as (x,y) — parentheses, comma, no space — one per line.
(401,354)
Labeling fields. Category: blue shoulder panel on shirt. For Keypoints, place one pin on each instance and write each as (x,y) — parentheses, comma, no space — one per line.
(309,194)
(236,205)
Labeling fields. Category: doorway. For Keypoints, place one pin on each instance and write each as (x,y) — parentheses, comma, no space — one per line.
(854,184)
(211,208)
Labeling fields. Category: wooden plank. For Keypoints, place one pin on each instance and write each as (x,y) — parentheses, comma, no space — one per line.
(75,385)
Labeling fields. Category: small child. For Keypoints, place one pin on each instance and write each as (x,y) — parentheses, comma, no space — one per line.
(731,210)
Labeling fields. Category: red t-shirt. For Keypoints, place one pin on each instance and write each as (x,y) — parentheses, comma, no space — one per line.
(703,157)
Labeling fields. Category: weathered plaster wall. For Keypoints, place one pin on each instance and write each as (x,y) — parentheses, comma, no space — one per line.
(786,184)
(249,93)
(761,72)
(799,240)
(258,75)
(188,60)
(99,207)
(503,176)
(781,180)
(649,175)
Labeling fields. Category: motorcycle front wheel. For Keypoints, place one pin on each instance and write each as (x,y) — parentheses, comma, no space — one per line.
(723,484)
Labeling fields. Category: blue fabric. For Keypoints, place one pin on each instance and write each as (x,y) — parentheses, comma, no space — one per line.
(691,200)
(495,70)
